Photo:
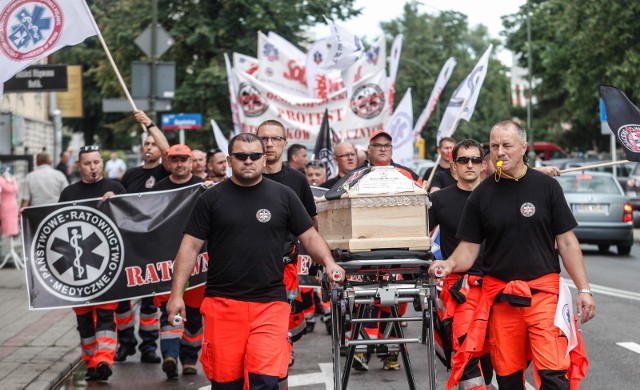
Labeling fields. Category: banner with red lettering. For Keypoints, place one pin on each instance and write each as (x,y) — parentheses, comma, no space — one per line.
(89,252)
(352,118)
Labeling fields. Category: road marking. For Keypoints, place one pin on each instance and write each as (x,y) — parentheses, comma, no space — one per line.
(324,376)
(635,347)
(612,292)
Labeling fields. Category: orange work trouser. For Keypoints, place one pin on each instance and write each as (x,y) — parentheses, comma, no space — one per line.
(244,342)
(97,329)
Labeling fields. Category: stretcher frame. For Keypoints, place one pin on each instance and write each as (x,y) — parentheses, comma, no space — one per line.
(381,285)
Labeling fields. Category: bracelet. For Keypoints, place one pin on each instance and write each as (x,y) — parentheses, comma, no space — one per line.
(585,291)
(150,125)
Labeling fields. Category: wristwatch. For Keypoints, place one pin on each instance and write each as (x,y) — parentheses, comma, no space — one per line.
(150,125)
(585,291)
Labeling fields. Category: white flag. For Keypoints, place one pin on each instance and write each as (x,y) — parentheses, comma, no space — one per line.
(441,82)
(372,61)
(400,127)
(30,30)
(287,46)
(345,49)
(233,97)
(394,60)
(221,140)
(564,316)
(464,99)
(245,64)
(321,82)
(280,68)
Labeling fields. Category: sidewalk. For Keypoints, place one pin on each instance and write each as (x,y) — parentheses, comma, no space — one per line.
(37,347)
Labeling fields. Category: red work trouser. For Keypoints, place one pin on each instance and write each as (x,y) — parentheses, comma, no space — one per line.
(245,343)
(97,329)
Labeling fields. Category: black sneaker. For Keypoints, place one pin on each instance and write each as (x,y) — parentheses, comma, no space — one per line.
(360,362)
(91,374)
(170,367)
(122,352)
(103,371)
(150,357)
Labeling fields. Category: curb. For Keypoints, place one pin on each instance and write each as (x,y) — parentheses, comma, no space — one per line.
(66,370)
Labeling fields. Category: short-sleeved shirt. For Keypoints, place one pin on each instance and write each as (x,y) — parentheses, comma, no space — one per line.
(141,179)
(520,221)
(167,184)
(443,179)
(114,168)
(446,211)
(298,183)
(245,228)
(81,190)
(331,182)
(44,185)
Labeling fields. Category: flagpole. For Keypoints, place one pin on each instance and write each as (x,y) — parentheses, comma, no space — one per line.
(588,167)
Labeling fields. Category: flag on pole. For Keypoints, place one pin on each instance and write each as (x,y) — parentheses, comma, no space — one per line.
(30,30)
(441,82)
(221,141)
(623,118)
(400,127)
(233,97)
(345,49)
(323,150)
(394,62)
(372,61)
(463,101)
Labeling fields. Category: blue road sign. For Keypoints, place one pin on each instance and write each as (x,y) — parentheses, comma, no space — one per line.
(181,121)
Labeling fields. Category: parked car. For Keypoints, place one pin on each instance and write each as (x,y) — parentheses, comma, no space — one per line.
(601,208)
(622,170)
(548,150)
(420,166)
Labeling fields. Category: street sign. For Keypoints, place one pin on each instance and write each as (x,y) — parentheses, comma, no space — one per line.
(141,79)
(604,126)
(123,105)
(163,41)
(39,78)
(181,121)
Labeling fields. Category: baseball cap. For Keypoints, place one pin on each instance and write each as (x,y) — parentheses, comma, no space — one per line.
(380,132)
(179,150)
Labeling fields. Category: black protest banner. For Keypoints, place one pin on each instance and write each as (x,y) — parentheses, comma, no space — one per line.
(89,252)
(623,118)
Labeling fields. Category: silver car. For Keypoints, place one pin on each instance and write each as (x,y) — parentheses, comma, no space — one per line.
(601,208)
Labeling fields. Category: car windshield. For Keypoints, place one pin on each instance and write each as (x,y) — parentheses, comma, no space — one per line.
(588,184)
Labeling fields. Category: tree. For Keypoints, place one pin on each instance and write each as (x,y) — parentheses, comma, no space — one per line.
(428,42)
(203,31)
(577,46)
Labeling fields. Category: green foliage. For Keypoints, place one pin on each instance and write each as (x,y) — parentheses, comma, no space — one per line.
(203,31)
(577,46)
(428,42)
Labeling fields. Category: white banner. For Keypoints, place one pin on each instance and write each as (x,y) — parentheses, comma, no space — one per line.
(321,82)
(394,62)
(401,129)
(245,64)
(30,30)
(345,48)
(233,99)
(441,82)
(373,60)
(280,68)
(464,99)
(353,119)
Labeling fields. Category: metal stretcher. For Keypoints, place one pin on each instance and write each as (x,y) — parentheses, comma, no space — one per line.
(386,278)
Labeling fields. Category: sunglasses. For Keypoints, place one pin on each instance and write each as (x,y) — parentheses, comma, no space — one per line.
(315,164)
(244,156)
(89,148)
(465,160)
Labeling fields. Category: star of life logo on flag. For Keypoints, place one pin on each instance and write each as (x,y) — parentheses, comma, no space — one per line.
(29,28)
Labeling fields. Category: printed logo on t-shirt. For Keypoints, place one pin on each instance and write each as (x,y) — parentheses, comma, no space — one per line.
(263,215)
(527,209)
(150,182)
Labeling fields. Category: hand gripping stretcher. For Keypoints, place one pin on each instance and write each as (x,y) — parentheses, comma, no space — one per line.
(386,278)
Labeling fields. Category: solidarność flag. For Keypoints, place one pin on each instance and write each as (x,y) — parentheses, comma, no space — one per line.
(623,118)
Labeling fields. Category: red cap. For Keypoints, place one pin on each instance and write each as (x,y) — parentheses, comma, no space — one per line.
(380,132)
(179,150)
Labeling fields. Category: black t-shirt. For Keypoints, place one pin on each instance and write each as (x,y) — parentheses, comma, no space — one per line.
(167,184)
(446,211)
(141,179)
(519,221)
(245,228)
(63,168)
(81,190)
(442,179)
(298,183)
(331,182)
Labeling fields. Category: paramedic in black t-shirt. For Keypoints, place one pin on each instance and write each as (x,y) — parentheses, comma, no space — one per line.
(244,221)
(136,180)
(525,221)
(96,323)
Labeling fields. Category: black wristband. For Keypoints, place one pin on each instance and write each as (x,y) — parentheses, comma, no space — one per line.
(150,125)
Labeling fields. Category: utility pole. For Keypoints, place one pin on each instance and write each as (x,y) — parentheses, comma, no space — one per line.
(154,59)
(532,152)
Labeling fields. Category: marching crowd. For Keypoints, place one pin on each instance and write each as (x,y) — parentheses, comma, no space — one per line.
(502,226)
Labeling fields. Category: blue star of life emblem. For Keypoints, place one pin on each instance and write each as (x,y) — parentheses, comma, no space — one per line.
(30,28)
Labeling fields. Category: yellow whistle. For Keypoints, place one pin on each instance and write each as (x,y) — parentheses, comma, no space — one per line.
(499,164)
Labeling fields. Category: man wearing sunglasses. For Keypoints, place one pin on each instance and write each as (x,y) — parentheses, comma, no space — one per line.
(461,291)
(96,323)
(273,135)
(155,167)
(347,160)
(244,221)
